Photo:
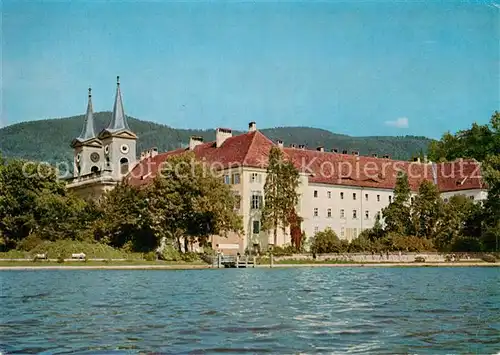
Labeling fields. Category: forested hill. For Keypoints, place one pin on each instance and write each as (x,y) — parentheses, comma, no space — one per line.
(49,140)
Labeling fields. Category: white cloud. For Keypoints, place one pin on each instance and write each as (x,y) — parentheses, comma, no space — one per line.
(401,122)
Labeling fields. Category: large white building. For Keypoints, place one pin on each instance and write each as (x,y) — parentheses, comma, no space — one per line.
(341,191)
(344,192)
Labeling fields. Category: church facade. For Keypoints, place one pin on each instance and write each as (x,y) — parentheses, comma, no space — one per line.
(342,191)
(101,160)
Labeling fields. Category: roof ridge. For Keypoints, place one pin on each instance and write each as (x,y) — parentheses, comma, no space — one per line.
(254,134)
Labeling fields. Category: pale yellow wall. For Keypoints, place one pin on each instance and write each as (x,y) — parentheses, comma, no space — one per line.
(351,227)
(478,195)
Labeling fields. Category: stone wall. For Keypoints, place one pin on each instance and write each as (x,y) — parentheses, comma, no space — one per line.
(384,257)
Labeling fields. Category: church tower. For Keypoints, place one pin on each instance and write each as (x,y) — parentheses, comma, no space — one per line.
(88,158)
(118,141)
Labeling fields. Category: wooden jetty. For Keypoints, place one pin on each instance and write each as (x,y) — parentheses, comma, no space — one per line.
(230,261)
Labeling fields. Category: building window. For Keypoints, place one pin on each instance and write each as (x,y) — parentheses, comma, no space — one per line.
(255,177)
(342,232)
(341,195)
(390,199)
(237,201)
(342,213)
(227,179)
(378,198)
(256,200)
(471,197)
(329,194)
(354,214)
(124,166)
(315,193)
(329,213)
(366,197)
(445,200)
(256,227)
(316,229)
(236,178)
(354,196)
(367,214)
(315,212)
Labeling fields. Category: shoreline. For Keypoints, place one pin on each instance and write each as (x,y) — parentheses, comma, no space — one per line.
(275,266)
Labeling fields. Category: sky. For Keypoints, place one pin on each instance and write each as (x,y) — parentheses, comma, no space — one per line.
(351,67)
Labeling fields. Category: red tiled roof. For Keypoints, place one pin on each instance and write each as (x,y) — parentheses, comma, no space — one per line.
(459,175)
(252,150)
(352,170)
(249,149)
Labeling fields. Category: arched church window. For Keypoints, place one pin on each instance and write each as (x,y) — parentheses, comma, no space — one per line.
(124,166)
(94,169)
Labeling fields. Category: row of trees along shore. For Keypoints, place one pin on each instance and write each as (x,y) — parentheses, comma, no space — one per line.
(185,203)
(424,222)
(189,203)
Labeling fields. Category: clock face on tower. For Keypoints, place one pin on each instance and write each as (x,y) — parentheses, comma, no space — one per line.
(124,148)
(94,157)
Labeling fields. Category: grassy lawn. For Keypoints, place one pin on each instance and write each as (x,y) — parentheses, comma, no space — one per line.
(98,263)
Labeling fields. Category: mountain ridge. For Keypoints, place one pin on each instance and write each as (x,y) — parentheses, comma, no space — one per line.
(49,139)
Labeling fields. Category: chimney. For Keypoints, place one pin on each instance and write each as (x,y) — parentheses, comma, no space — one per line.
(344,152)
(194,141)
(154,152)
(221,134)
(143,155)
(252,126)
(320,149)
(374,155)
(355,152)
(386,156)
(302,146)
(293,145)
(334,150)
(280,143)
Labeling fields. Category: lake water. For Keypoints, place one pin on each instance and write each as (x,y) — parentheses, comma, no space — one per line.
(276,311)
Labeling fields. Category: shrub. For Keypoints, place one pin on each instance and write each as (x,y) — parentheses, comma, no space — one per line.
(151,256)
(489,258)
(190,256)
(68,247)
(60,259)
(466,244)
(169,253)
(283,251)
(360,244)
(326,242)
(419,259)
(29,243)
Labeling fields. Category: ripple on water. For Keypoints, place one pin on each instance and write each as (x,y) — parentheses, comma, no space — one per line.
(306,310)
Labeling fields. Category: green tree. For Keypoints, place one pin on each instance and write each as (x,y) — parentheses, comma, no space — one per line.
(427,211)
(477,142)
(458,221)
(126,221)
(188,200)
(397,214)
(280,193)
(491,235)
(326,242)
(22,186)
(59,216)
